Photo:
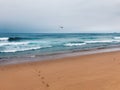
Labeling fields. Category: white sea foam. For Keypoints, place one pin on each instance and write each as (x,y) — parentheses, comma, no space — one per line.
(74,44)
(102,41)
(116,37)
(88,42)
(4,39)
(20,49)
(13,43)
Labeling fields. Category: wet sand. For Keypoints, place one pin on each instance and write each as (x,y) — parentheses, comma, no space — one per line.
(89,72)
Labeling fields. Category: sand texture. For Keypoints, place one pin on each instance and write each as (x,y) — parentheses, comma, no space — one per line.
(90,72)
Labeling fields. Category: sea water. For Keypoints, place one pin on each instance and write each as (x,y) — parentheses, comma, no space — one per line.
(31,44)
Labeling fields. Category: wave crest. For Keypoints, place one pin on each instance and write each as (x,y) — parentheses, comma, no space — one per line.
(11,38)
(4,39)
(102,41)
(13,43)
(116,37)
(20,49)
(74,44)
(15,38)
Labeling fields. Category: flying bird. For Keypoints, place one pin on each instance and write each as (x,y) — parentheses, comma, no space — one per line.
(61,27)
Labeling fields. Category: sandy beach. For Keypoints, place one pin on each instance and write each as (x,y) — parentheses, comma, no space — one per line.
(90,72)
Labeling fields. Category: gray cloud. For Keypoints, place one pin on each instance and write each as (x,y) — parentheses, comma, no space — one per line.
(74,15)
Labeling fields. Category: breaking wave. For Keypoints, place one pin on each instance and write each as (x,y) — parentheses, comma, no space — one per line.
(74,44)
(13,43)
(11,38)
(4,39)
(102,41)
(20,49)
(116,37)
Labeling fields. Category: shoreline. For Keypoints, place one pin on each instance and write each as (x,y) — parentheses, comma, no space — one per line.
(49,57)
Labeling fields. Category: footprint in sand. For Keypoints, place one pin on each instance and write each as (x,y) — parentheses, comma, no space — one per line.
(42,79)
(39,73)
(43,82)
(47,85)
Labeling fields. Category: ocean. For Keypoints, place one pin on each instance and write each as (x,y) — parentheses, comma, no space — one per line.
(43,44)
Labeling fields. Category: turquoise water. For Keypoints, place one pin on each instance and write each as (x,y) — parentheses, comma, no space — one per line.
(12,45)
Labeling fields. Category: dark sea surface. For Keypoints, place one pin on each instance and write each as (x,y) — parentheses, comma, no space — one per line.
(40,44)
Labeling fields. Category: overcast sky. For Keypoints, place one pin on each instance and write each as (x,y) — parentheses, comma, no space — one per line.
(49,15)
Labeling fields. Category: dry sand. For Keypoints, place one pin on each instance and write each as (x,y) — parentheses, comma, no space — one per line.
(90,72)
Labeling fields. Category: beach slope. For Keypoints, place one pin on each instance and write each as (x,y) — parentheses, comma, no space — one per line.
(89,72)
